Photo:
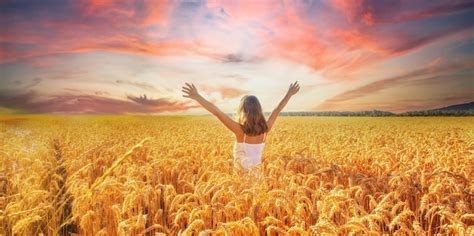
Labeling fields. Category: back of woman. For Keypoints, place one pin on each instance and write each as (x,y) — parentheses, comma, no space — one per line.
(248,151)
(250,129)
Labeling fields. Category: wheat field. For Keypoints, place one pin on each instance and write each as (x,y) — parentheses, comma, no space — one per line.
(144,175)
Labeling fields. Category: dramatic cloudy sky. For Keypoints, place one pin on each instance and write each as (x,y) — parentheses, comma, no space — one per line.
(103,56)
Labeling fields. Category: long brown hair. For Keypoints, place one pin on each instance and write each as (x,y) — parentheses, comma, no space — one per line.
(251,117)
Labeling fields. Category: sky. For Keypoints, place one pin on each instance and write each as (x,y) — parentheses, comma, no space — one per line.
(133,57)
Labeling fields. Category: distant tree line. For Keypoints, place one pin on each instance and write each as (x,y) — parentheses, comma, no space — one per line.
(338,113)
(381,113)
(439,113)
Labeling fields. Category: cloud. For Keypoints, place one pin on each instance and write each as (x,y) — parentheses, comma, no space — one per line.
(34,82)
(81,26)
(101,93)
(422,76)
(229,31)
(141,85)
(414,42)
(150,102)
(371,12)
(228,92)
(89,104)
(448,7)
(393,81)
(70,74)
(157,12)
(28,83)
(295,38)
(436,62)
(234,58)
(224,91)
(333,39)
(404,105)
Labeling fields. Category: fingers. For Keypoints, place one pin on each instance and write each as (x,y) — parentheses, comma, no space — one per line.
(295,84)
(186,92)
(190,87)
(186,89)
(294,87)
(189,90)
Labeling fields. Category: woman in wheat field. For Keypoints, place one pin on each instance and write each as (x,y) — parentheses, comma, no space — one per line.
(251,128)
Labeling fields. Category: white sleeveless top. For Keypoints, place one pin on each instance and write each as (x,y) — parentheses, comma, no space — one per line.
(249,154)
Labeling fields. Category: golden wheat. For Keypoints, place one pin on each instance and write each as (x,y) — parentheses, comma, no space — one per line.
(132,175)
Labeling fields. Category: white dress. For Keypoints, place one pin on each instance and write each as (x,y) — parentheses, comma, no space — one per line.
(249,154)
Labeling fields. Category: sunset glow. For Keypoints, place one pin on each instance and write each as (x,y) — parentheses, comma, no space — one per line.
(119,57)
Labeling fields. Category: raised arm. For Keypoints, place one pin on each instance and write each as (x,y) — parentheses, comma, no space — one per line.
(190,91)
(294,88)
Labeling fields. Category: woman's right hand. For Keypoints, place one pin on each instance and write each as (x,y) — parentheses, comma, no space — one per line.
(190,91)
(294,88)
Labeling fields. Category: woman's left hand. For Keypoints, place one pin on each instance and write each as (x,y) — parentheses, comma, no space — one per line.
(190,91)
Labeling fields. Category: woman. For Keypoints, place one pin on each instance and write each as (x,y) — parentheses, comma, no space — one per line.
(251,129)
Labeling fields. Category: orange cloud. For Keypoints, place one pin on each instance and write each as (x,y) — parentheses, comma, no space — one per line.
(224,91)
(228,92)
(157,12)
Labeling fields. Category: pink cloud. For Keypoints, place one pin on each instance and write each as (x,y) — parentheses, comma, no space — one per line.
(241,12)
(371,12)
(157,12)
(295,39)
(91,104)
(95,6)
(436,62)
(93,25)
(286,30)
